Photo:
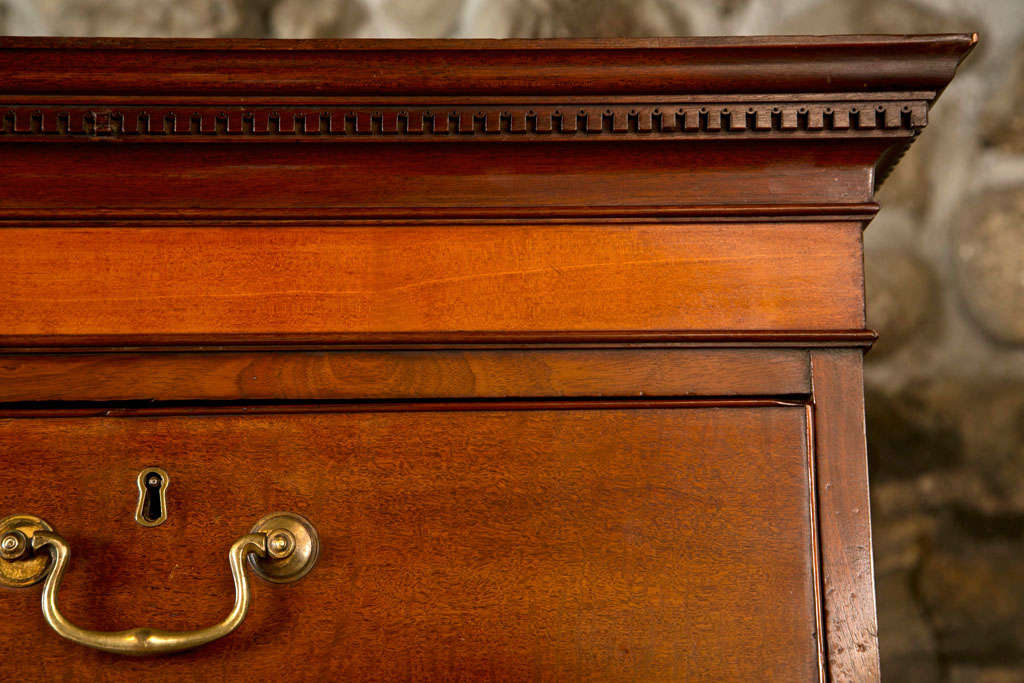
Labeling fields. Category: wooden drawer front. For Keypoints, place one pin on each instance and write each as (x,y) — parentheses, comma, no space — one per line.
(434,280)
(664,541)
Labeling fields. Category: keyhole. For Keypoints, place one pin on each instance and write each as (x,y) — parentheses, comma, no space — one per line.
(152,507)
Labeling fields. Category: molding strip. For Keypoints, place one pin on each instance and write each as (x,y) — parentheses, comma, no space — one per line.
(409,340)
(439,215)
(599,68)
(497,121)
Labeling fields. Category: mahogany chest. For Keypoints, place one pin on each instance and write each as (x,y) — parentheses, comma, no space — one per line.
(477,359)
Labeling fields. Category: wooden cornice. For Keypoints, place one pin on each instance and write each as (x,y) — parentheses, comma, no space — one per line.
(867,96)
(655,66)
(441,122)
(206,343)
(230,90)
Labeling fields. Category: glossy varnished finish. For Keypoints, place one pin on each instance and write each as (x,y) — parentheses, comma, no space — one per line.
(332,375)
(310,179)
(558,344)
(430,279)
(845,516)
(649,543)
(464,67)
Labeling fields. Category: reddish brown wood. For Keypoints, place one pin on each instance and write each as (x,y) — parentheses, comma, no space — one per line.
(333,375)
(170,409)
(771,213)
(494,544)
(844,515)
(263,236)
(761,64)
(894,115)
(425,279)
(548,339)
(307,180)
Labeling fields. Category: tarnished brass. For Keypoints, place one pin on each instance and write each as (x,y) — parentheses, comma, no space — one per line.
(18,565)
(13,545)
(152,482)
(292,547)
(150,641)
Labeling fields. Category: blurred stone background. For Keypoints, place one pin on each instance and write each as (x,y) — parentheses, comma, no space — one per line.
(945,276)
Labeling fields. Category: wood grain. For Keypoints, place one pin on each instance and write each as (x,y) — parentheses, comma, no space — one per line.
(466,67)
(95,281)
(548,339)
(332,375)
(649,544)
(312,180)
(844,515)
(387,284)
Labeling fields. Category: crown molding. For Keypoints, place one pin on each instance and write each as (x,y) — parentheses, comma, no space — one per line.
(155,343)
(860,212)
(652,66)
(494,121)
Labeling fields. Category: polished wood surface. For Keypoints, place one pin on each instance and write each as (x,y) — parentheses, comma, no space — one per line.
(332,375)
(841,461)
(647,543)
(464,67)
(308,180)
(94,281)
(557,343)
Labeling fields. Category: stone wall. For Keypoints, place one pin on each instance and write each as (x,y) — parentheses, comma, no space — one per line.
(945,275)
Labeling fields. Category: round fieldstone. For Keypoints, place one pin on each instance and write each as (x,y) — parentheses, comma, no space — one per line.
(970,590)
(973,431)
(986,673)
(989,255)
(137,18)
(1003,121)
(913,431)
(902,297)
(423,18)
(575,18)
(906,185)
(317,18)
(992,424)
(907,646)
(877,16)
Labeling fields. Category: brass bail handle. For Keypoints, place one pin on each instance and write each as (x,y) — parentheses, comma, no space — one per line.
(281,547)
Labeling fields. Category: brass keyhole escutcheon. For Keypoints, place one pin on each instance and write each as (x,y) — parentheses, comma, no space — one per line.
(152,507)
